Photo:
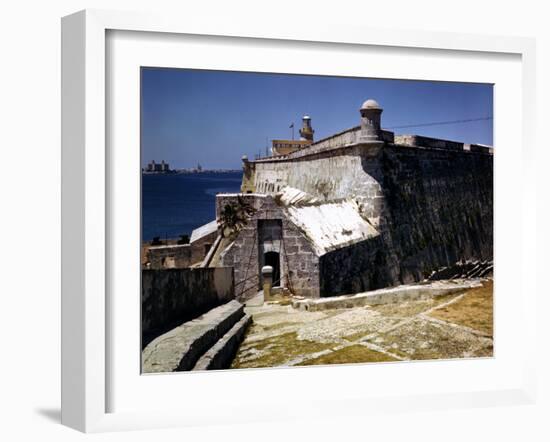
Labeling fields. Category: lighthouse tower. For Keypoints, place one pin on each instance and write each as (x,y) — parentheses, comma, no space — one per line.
(306,132)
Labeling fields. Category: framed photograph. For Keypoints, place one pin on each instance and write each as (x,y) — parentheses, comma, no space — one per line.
(250,213)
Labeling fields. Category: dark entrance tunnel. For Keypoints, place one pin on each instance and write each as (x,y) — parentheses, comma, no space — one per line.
(272,259)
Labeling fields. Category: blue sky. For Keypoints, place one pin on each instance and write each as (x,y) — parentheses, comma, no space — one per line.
(215,117)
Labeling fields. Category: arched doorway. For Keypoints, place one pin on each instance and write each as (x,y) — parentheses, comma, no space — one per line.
(273,259)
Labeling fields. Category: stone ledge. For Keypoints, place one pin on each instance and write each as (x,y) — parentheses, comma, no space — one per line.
(181,347)
(411,292)
(222,353)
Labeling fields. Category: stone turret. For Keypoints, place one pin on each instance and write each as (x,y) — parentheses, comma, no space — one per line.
(249,167)
(370,122)
(306,132)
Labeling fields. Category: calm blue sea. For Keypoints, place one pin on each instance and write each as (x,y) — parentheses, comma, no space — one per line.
(173,205)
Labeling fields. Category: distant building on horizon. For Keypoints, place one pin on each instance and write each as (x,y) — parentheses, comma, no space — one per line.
(153,167)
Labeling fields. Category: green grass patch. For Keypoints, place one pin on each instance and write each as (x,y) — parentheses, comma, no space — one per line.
(474,310)
(350,355)
(276,350)
(357,336)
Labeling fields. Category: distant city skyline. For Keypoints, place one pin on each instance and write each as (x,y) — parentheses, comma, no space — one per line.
(215,117)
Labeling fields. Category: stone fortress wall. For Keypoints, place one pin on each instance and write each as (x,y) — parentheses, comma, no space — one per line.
(430,199)
(433,208)
(330,175)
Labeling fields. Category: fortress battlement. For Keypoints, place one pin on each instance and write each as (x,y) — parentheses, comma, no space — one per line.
(350,137)
(335,167)
(368,137)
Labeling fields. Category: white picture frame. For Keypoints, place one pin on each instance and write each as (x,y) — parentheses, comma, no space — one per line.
(86,206)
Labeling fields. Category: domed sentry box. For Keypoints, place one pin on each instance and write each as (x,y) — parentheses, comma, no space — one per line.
(370,122)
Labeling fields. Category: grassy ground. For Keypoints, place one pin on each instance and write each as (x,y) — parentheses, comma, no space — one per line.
(276,350)
(348,355)
(474,310)
(452,326)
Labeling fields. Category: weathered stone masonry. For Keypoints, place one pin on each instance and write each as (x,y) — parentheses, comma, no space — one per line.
(433,209)
(299,269)
(172,296)
(169,256)
(430,200)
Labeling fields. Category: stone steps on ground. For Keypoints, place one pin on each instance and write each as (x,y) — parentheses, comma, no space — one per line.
(181,348)
(222,353)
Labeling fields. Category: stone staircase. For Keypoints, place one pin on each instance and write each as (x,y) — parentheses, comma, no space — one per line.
(465,269)
(208,342)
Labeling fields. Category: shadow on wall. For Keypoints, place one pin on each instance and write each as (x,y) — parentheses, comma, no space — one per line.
(434,209)
(356,268)
(172,296)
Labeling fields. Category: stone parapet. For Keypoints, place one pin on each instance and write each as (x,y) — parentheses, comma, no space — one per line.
(171,296)
(404,293)
(180,348)
(222,353)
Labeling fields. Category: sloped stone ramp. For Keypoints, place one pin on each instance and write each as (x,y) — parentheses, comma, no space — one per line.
(402,293)
(206,343)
